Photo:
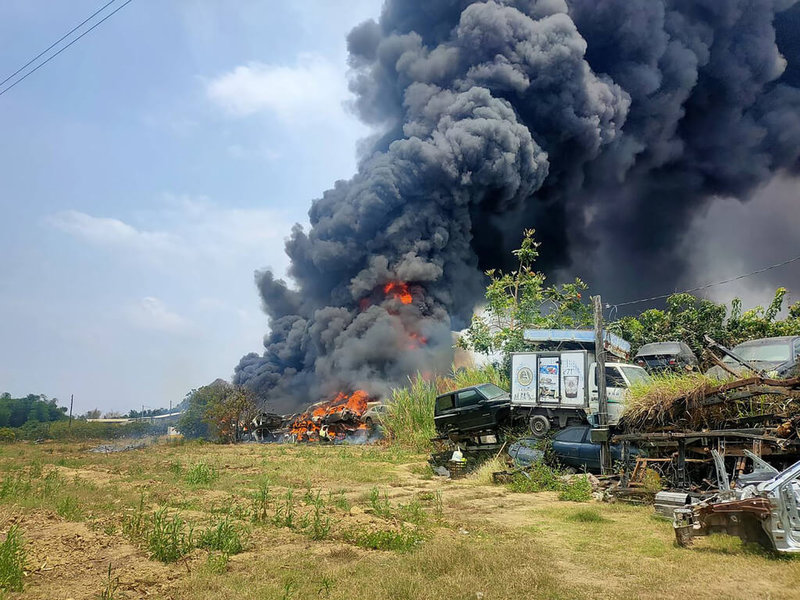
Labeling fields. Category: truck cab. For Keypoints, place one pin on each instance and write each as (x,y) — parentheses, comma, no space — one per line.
(619,378)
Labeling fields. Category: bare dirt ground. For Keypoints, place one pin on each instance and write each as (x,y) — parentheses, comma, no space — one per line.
(367,522)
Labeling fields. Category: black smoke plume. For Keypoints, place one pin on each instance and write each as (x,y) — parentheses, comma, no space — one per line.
(606,125)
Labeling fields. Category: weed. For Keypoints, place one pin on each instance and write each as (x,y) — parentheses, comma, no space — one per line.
(52,483)
(339,501)
(404,540)
(112,583)
(35,470)
(68,508)
(12,561)
(539,478)
(413,512)
(285,512)
(217,563)
(578,489)
(380,506)
(586,516)
(225,537)
(169,539)
(320,525)
(201,474)
(176,468)
(110,529)
(260,502)
(15,486)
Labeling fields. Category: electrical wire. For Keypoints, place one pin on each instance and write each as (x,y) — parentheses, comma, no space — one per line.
(708,285)
(58,41)
(40,65)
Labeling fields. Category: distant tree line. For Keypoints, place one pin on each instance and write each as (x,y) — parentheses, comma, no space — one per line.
(16,412)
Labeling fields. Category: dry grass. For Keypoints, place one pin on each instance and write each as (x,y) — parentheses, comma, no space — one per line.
(440,539)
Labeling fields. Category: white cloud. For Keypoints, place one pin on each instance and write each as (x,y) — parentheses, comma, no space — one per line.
(184,230)
(314,89)
(107,231)
(152,314)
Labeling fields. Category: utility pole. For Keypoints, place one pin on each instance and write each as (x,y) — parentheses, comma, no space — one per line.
(600,373)
(71,398)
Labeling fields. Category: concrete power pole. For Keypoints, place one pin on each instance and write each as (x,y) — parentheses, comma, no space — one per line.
(602,398)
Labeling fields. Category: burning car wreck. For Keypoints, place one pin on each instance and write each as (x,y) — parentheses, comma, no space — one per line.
(762,508)
(335,420)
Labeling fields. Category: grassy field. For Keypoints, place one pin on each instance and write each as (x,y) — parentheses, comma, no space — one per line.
(210,522)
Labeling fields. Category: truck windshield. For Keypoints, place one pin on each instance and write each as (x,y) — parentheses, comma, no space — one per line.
(635,374)
(491,391)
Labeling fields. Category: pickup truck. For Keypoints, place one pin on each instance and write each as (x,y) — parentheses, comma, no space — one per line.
(473,414)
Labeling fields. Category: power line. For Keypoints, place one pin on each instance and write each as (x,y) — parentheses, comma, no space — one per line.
(40,65)
(58,41)
(708,285)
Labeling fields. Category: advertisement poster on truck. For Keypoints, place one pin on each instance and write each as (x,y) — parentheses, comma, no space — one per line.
(548,379)
(573,378)
(523,388)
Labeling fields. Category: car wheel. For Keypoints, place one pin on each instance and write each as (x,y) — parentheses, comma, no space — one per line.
(539,425)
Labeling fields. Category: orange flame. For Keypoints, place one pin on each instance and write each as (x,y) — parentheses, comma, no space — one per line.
(398,290)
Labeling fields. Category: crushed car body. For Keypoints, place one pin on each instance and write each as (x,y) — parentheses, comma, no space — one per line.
(765,512)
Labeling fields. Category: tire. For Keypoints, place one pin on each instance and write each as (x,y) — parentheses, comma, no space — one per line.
(539,425)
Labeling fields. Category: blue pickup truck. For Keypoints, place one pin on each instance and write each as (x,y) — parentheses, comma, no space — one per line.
(572,447)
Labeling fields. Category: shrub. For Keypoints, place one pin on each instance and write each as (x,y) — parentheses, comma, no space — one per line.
(578,489)
(12,561)
(7,435)
(201,474)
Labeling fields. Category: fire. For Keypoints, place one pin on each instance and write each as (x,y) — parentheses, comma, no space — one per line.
(415,341)
(398,290)
(333,419)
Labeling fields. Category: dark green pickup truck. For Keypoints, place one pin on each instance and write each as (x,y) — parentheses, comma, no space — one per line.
(472,413)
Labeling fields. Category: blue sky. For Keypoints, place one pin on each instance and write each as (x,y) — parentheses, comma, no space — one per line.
(146,173)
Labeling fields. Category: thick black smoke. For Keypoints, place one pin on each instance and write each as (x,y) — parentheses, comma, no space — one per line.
(604,125)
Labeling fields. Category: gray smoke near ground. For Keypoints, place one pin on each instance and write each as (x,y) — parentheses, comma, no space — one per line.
(605,125)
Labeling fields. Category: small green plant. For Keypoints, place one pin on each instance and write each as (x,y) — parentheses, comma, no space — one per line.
(68,508)
(260,502)
(339,501)
(225,537)
(579,489)
(201,474)
(217,563)
(285,511)
(12,561)
(169,539)
(112,583)
(413,512)
(320,525)
(176,468)
(380,505)
(404,540)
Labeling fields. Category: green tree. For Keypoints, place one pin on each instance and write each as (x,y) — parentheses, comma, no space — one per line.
(217,411)
(520,300)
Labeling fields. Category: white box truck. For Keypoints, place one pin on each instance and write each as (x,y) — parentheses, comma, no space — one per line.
(555,387)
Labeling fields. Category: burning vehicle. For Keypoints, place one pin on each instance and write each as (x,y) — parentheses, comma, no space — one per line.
(333,420)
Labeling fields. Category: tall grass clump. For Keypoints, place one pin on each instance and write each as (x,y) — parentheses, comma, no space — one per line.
(201,474)
(225,537)
(409,419)
(666,400)
(12,561)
